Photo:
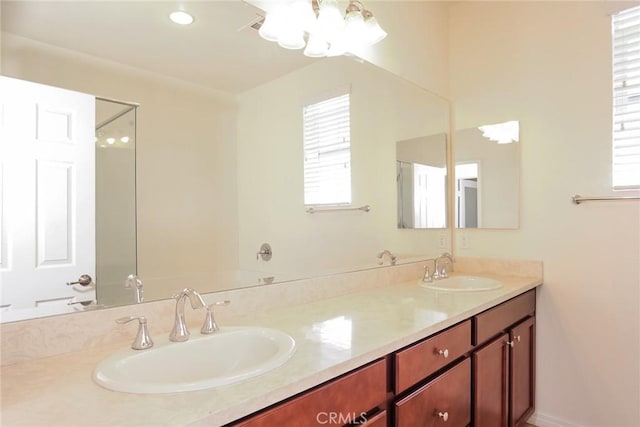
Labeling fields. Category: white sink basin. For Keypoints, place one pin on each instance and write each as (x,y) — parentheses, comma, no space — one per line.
(205,361)
(463,284)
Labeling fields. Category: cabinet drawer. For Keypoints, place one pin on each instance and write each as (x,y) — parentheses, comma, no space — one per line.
(377,420)
(448,395)
(493,321)
(344,399)
(417,362)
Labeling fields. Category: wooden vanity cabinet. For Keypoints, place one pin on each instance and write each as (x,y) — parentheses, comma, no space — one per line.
(418,361)
(504,365)
(444,400)
(479,372)
(341,401)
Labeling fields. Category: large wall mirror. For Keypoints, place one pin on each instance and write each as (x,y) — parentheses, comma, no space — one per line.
(218,148)
(421,175)
(487,176)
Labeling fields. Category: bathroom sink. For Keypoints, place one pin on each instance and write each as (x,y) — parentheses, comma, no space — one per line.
(205,361)
(463,284)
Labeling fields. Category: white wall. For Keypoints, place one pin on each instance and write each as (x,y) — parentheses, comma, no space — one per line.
(384,110)
(186,181)
(548,65)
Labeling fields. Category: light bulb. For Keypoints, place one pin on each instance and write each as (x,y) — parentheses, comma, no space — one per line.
(111,141)
(124,139)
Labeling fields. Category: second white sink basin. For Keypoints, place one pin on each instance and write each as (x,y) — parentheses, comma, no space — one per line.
(205,361)
(463,284)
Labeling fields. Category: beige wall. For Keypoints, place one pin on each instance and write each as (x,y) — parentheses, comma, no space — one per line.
(499,177)
(185,158)
(384,110)
(416,47)
(548,65)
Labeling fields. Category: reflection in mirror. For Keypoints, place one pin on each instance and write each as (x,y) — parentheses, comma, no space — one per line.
(487,176)
(115,201)
(421,174)
(218,146)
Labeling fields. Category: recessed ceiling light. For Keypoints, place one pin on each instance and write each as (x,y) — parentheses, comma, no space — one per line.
(181,17)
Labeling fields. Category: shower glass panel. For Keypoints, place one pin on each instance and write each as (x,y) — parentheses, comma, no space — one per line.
(115,202)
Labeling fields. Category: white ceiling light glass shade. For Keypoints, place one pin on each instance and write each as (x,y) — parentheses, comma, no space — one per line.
(330,21)
(302,11)
(317,47)
(272,24)
(291,38)
(332,33)
(373,31)
(354,29)
(181,17)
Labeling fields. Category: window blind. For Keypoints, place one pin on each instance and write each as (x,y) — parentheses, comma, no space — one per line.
(626,99)
(327,152)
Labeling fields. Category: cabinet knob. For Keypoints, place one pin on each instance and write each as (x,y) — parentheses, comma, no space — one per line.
(443,415)
(444,353)
(512,343)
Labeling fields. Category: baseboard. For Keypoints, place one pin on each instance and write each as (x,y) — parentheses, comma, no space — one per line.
(545,420)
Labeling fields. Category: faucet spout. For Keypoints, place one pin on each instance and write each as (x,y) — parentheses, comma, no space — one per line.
(180,333)
(392,257)
(440,265)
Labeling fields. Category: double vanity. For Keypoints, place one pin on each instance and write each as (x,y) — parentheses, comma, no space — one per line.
(387,351)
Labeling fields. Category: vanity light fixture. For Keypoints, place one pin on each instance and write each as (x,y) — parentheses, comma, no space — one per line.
(327,31)
(181,17)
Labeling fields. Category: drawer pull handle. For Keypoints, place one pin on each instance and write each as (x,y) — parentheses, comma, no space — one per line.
(517,338)
(444,353)
(509,343)
(443,415)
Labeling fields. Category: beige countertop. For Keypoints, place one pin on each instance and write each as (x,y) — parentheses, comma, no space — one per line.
(333,336)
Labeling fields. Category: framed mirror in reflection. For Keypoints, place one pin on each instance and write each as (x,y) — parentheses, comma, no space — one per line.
(421,175)
(487,176)
(218,146)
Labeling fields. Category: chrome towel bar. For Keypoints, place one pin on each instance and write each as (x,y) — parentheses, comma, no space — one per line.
(312,210)
(579,199)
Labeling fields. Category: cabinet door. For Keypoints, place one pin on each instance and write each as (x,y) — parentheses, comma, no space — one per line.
(490,384)
(446,400)
(522,372)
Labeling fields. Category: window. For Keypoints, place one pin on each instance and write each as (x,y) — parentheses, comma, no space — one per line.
(626,99)
(327,152)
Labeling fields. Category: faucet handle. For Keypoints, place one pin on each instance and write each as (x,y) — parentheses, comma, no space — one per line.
(142,341)
(426,277)
(210,326)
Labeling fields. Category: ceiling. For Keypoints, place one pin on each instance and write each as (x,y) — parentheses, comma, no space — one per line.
(219,50)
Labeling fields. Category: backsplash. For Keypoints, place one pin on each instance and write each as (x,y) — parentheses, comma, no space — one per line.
(50,336)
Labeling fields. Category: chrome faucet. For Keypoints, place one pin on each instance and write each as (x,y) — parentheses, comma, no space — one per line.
(440,265)
(142,341)
(180,332)
(392,257)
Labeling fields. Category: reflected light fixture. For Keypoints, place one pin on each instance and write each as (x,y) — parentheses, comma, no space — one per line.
(502,133)
(327,31)
(181,17)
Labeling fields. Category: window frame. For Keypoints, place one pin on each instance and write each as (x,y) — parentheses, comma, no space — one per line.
(316,142)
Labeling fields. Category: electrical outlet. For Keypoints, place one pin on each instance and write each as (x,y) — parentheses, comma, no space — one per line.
(464,241)
(442,241)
